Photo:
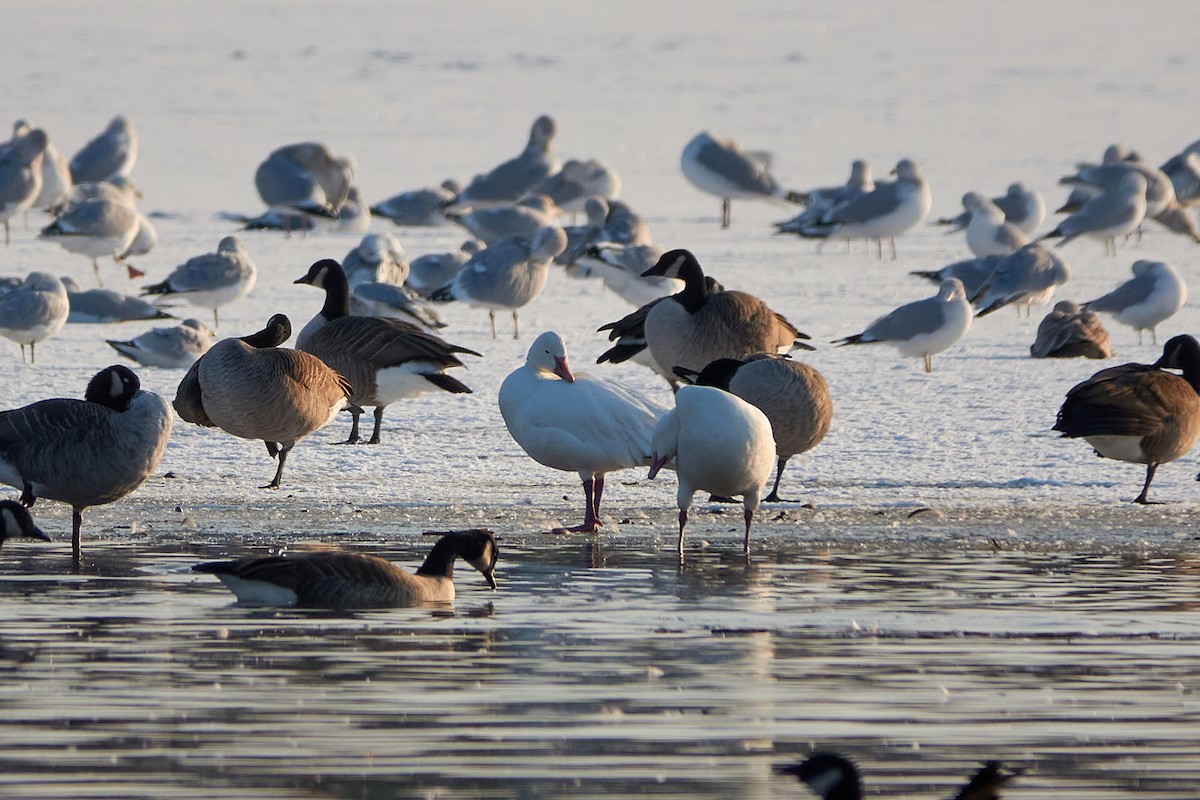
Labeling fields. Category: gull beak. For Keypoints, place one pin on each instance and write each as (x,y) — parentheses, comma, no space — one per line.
(562,370)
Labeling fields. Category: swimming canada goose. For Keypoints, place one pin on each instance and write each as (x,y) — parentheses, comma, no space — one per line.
(17,523)
(508,181)
(719,443)
(332,579)
(1070,332)
(20,174)
(172,348)
(85,452)
(1154,293)
(210,280)
(34,311)
(716,165)
(111,153)
(700,324)
(255,389)
(793,395)
(835,777)
(384,359)
(576,422)
(1139,413)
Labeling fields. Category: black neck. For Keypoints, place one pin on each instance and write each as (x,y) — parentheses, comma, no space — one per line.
(692,296)
(440,561)
(337,294)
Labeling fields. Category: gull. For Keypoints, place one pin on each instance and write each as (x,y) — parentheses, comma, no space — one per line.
(20,174)
(623,225)
(1184,171)
(1116,212)
(379,257)
(95,228)
(432,271)
(884,213)
(971,271)
(923,328)
(1070,332)
(118,188)
(581,237)
(112,153)
(507,275)
(374,299)
(493,223)
(211,280)
(306,176)
(277,218)
(820,201)
(577,181)
(1159,191)
(1027,276)
(716,165)
(510,180)
(419,207)
(173,348)
(1023,207)
(34,311)
(104,305)
(353,216)
(56,175)
(1154,293)
(623,268)
(988,233)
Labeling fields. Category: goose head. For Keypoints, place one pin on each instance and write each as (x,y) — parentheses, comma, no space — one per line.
(716,373)
(113,387)
(276,332)
(478,548)
(16,522)
(1181,352)
(549,354)
(321,272)
(678,263)
(829,775)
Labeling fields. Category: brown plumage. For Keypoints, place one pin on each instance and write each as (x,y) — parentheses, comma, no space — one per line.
(254,389)
(333,579)
(1139,412)
(1070,332)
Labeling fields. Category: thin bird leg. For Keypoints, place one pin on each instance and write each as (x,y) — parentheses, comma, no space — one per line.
(216,324)
(492,319)
(23,359)
(378,422)
(134,272)
(878,249)
(683,515)
(516,332)
(76,526)
(725,211)
(6,239)
(774,497)
(274,484)
(32,354)
(1141,498)
(596,500)
(749,516)
(892,240)
(590,523)
(354,438)
(96,269)
(928,363)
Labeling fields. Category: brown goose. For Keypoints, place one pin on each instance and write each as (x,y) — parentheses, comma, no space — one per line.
(1070,332)
(1138,412)
(85,452)
(255,389)
(793,395)
(333,579)
(383,359)
(700,323)
(16,523)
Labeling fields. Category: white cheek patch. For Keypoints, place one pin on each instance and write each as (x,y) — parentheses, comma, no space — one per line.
(118,387)
(823,783)
(675,266)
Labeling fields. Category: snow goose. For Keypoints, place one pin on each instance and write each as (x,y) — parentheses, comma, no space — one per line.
(720,444)
(17,523)
(716,165)
(254,389)
(922,328)
(383,359)
(890,209)
(173,348)
(105,305)
(306,176)
(95,228)
(492,223)
(834,777)
(1070,332)
(56,175)
(20,174)
(507,275)
(820,202)
(510,180)
(1025,277)
(697,325)
(419,207)
(793,395)
(576,422)
(113,152)
(1115,213)
(1139,413)
(34,311)
(333,579)
(85,452)
(211,280)
(1154,293)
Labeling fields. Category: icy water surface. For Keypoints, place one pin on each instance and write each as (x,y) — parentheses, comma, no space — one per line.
(605,668)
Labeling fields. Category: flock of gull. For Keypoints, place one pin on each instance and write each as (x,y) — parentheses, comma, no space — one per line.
(742,407)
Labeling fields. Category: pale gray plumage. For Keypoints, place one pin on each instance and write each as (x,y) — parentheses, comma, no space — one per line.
(112,153)
(1071,332)
(571,186)
(96,228)
(1184,171)
(379,257)
(1023,207)
(56,174)
(211,280)
(522,218)
(718,166)
(306,176)
(373,299)
(510,180)
(1028,276)
(34,311)
(104,305)
(971,271)
(419,207)
(821,201)
(432,271)
(1158,190)
(1115,213)
(1154,293)
(582,237)
(177,347)
(20,174)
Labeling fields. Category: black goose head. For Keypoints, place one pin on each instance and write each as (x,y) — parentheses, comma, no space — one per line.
(16,522)
(717,373)
(829,775)
(113,387)
(328,274)
(277,331)
(682,264)
(476,546)
(1183,353)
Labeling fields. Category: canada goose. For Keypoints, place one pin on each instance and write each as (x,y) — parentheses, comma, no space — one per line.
(821,201)
(835,777)
(507,182)
(1154,293)
(20,174)
(332,579)
(1108,216)
(211,280)
(793,395)
(34,311)
(1069,332)
(698,324)
(577,181)
(922,328)
(1139,413)
(16,523)
(492,223)
(56,175)
(576,422)
(173,348)
(383,359)
(716,165)
(507,275)
(95,228)
(419,207)
(113,152)
(255,389)
(885,212)
(105,305)
(306,176)
(719,443)
(85,452)
(1024,277)
(1023,207)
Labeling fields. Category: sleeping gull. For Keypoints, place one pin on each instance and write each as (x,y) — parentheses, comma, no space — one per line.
(34,311)
(716,165)
(1154,293)
(20,174)
(1184,171)
(418,207)
(306,176)
(1022,206)
(923,328)
(172,348)
(378,257)
(1116,212)
(1070,332)
(432,271)
(1027,276)
(104,305)
(572,185)
(211,280)
(112,153)
(510,180)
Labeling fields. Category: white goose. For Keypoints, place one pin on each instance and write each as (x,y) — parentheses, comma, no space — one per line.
(576,423)
(721,444)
